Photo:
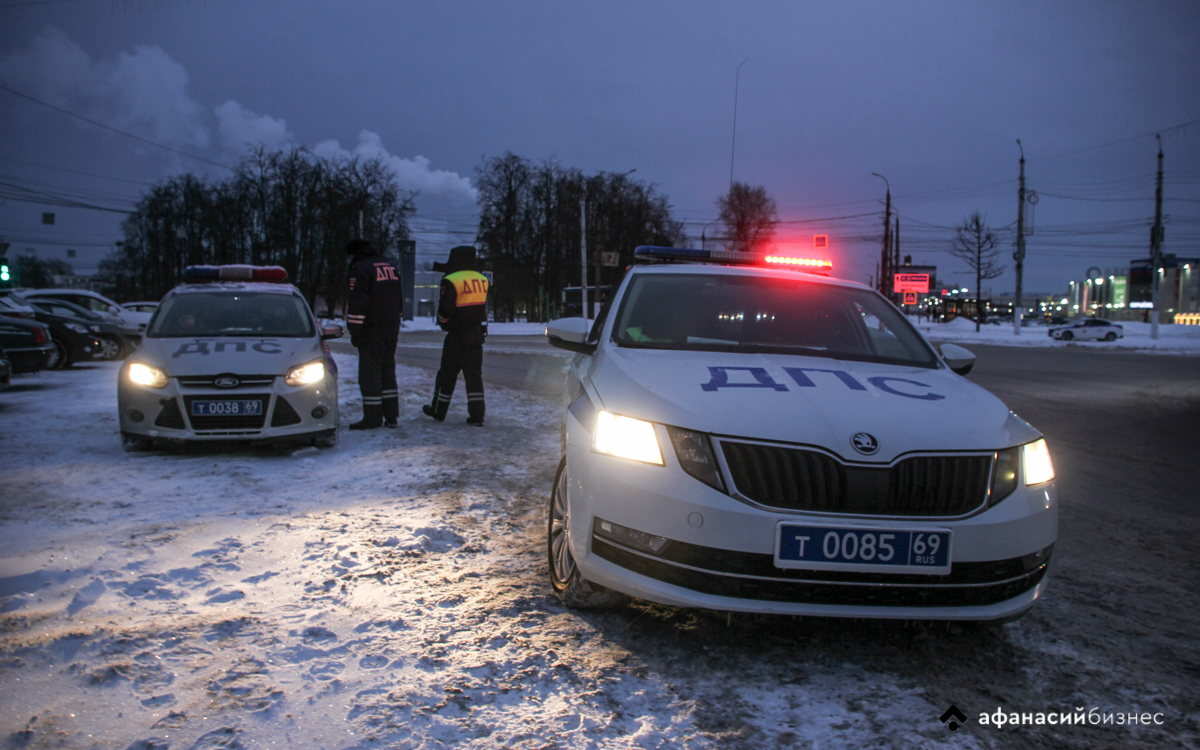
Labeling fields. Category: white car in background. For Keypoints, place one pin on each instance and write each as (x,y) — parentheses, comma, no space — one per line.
(1088,329)
(234,353)
(739,435)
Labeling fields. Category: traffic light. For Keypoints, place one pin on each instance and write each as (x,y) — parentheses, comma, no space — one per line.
(5,276)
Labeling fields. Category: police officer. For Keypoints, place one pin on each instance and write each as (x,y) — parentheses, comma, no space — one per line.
(462,314)
(375,302)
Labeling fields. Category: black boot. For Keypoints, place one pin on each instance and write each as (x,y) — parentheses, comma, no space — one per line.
(372,418)
(429,412)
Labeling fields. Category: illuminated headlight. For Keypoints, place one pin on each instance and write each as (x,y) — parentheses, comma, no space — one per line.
(1036,458)
(626,437)
(151,377)
(305,374)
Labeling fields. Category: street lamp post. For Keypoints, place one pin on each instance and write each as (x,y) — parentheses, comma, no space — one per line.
(885,270)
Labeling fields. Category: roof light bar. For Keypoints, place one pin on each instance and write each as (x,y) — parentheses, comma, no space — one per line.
(649,253)
(235,273)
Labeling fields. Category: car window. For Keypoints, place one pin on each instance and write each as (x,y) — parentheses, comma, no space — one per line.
(703,312)
(232,314)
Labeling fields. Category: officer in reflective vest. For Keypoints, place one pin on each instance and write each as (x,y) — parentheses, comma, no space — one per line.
(373,310)
(462,314)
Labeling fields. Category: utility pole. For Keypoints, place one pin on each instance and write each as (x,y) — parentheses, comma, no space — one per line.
(737,77)
(1019,255)
(885,268)
(583,255)
(1156,238)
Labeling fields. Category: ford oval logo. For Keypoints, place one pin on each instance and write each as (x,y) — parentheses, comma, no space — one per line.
(227,381)
(865,443)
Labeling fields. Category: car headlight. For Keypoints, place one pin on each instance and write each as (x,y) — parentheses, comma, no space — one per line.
(151,377)
(695,454)
(626,437)
(305,374)
(76,328)
(1036,458)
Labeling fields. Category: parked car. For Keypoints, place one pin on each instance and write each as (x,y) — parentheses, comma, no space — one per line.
(234,353)
(15,307)
(141,307)
(132,323)
(1088,329)
(28,344)
(5,370)
(74,339)
(740,435)
(112,344)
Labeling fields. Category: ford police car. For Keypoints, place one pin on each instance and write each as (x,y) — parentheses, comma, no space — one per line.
(234,353)
(741,435)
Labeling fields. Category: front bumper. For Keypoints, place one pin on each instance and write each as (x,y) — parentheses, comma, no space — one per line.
(294,412)
(719,552)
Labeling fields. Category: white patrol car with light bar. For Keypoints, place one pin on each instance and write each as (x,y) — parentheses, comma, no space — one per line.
(742,433)
(234,353)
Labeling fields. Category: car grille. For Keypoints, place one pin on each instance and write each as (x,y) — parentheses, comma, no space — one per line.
(284,414)
(797,479)
(170,416)
(207,381)
(227,422)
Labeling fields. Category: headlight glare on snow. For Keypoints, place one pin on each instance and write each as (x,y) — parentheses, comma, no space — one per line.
(305,374)
(151,377)
(1036,458)
(626,437)
(695,454)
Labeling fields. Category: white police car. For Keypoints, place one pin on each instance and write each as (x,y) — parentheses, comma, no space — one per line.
(234,353)
(750,438)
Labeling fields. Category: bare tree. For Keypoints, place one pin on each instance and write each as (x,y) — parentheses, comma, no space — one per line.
(975,244)
(749,215)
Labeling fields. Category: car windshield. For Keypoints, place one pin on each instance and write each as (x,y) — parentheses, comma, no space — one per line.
(703,312)
(232,314)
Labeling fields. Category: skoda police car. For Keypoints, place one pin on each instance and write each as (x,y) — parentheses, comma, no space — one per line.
(234,353)
(743,434)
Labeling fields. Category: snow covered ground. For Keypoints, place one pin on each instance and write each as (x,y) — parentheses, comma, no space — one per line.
(389,593)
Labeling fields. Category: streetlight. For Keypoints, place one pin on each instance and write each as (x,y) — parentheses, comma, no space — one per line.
(737,77)
(886,271)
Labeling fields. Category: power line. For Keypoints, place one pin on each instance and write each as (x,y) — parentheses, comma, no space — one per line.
(115,130)
(1152,133)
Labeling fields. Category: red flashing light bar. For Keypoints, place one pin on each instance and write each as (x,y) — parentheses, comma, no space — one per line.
(820,266)
(235,273)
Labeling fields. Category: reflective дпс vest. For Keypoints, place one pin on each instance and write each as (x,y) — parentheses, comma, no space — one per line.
(470,287)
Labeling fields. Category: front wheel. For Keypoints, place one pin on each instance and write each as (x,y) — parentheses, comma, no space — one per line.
(62,356)
(572,588)
(110,349)
(1067,336)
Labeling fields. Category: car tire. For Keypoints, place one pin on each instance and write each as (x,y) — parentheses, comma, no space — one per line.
(136,443)
(328,439)
(62,356)
(1067,336)
(110,349)
(1110,336)
(572,588)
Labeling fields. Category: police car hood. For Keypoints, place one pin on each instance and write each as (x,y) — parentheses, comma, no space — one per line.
(209,355)
(808,400)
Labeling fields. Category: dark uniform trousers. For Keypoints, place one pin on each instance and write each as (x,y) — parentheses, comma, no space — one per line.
(462,351)
(377,378)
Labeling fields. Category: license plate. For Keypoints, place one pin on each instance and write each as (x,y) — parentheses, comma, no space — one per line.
(863,549)
(227,408)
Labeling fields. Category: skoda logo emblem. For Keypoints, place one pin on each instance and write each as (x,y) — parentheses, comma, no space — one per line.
(227,381)
(865,443)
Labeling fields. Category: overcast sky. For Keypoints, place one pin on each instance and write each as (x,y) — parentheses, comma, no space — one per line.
(931,95)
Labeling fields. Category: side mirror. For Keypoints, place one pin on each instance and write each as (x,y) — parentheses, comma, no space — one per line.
(333,331)
(959,360)
(570,334)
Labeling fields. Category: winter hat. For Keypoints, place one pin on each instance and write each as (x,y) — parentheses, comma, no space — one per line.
(462,258)
(357,247)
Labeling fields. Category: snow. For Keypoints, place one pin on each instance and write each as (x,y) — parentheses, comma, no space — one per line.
(1172,339)
(390,592)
